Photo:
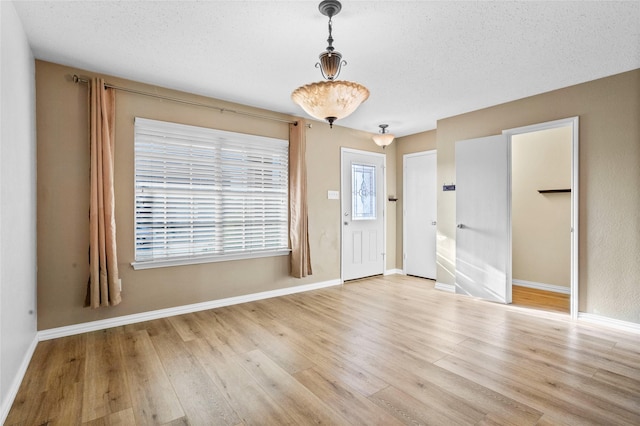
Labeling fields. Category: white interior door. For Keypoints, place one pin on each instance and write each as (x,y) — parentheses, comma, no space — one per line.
(483,235)
(419,224)
(363,189)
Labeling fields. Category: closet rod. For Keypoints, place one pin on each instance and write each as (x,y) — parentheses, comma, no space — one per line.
(77,79)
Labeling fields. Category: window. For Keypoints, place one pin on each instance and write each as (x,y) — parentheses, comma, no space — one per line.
(205,195)
(363,192)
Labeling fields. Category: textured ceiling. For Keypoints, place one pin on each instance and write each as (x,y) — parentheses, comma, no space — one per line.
(422,61)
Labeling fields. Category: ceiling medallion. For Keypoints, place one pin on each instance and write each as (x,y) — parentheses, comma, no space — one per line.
(332,99)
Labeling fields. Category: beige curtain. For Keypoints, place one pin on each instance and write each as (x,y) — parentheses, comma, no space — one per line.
(298,211)
(103,289)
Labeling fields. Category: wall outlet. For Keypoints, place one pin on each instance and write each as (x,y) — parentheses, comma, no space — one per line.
(333,195)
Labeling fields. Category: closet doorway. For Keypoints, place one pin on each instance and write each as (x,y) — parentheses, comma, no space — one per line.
(544,215)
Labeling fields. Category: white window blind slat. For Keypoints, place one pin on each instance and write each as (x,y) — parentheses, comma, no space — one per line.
(205,193)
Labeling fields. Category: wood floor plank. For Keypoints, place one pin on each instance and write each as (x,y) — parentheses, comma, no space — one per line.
(532,368)
(618,381)
(61,380)
(411,411)
(199,397)
(120,418)
(70,405)
(621,361)
(628,342)
(153,398)
(329,359)
(548,420)
(216,322)
(241,390)
(298,401)
(186,326)
(182,421)
(382,350)
(560,396)
(431,384)
(534,358)
(105,389)
(600,354)
(354,407)
(29,411)
(30,394)
(153,328)
(505,385)
(284,355)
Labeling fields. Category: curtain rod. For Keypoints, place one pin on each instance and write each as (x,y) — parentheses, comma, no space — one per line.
(77,79)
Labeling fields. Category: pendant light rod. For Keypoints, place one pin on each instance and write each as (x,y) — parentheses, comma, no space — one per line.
(330,8)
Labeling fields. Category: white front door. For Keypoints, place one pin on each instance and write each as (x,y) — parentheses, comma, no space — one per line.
(363,189)
(419,229)
(483,217)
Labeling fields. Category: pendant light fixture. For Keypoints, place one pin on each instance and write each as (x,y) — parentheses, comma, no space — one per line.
(332,99)
(383,138)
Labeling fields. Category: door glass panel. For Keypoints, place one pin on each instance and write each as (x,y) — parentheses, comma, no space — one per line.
(363,192)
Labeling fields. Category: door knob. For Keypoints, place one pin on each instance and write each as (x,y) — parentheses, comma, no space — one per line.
(433,223)
(460,225)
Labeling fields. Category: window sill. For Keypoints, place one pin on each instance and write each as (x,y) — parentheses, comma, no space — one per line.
(150,264)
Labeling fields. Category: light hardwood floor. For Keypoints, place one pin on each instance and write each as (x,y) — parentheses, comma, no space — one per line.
(381,351)
(540,299)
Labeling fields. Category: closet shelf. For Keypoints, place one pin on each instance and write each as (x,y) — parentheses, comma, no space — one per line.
(551,191)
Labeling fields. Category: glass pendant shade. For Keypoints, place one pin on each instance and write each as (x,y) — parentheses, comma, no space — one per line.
(330,100)
(383,139)
(330,64)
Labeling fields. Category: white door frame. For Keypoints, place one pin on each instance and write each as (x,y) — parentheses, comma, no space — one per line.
(344,150)
(574,123)
(404,205)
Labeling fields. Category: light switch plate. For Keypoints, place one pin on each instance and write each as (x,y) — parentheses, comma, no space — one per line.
(333,195)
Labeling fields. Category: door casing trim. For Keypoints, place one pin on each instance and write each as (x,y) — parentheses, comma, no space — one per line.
(574,123)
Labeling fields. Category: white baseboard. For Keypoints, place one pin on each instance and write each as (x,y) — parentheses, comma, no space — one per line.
(451,288)
(542,286)
(70,330)
(609,322)
(11,393)
(394,272)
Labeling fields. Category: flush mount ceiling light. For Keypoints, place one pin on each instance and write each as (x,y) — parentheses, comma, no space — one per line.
(383,138)
(332,99)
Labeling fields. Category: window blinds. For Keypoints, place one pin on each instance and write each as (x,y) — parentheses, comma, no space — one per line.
(205,193)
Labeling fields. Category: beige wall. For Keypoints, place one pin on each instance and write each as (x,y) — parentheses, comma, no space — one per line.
(609,199)
(63,188)
(419,142)
(541,223)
